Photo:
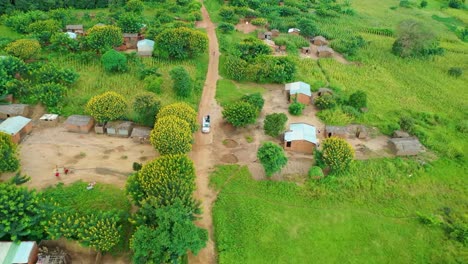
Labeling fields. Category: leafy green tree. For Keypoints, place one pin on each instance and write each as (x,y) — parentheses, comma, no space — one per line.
(20,213)
(273,69)
(250,48)
(337,154)
(171,135)
(349,46)
(315,171)
(63,43)
(147,106)
(415,40)
(130,23)
(325,101)
(227,13)
(275,124)
(166,179)
(44,29)
(174,235)
(240,114)
(458,4)
(135,6)
(180,43)
(106,107)
(51,73)
(254,99)
(308,27)
(272,158)
(114,61)
(182,82)
(8,152)
(235,68)
(226,27)
(103,38)
(296,108)
(423,4)
(181,110)
(49,94)
(23,48)
(358,99)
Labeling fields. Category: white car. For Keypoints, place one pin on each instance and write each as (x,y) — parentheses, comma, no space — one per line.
(206,124)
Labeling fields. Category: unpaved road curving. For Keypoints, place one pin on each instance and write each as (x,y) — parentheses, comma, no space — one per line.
(202,154)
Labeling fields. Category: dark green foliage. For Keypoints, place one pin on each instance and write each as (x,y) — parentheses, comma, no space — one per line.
(228,14)
(144,72)
(10,68)
(358,99)
(423,4)
(455,72)
(405,3)
(351,111)
(308,27)
(19,179)
(296,108)
(251,48)
(272,158)
(44,29)
(415,40)
(226,27)
(20,21)
(114,61)
(49,94)
(136,166)
(147,106)
(254,99)
(273,69)
(180,43)
(63,43)
(51,73)
(182,81)
(240,114)
(326,101)
(170,235)
(8,152)
(130,23)
(235,68)
(275,124)
(462,127)
(407,123)
(458,4)
(349,46)
(135,6)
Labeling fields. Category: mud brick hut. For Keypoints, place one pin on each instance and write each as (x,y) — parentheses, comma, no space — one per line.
(130,40)
(294,31)
(298,91)
(24,252)
(119,128)
(17,127)
(141,135)
(265,35)
(11,110)
(319,41)
(79,123)
(77,29)
(306,50)
(406,146)
(301,137)
(336,131)
(324,52)
(323,91)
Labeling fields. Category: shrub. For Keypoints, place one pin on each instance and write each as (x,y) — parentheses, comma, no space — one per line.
(130,23)
(226,27)
(153,84)
(326,101)
(106,107)
(423,4)
(296,108)
(240,114)
(235,68)
(272,158)
(275,124)
(44,29)
(415,40)
(180,43)
(405,3)
(337,154)
(228,15)
(135,6)
(407,123)
(358,99)
(351,111)
(254,99)
(458,4)
(250,48)
(103,38)
(350,45)
(171,135)
(259,21)
(49,94)
(181,110)
(9,160)
(182,82)
(147,106)
(455,72)
(315,171)
(462,127)
(23,48)
(114,61)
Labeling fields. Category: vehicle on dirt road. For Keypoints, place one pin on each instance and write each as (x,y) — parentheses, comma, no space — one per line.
(206,124)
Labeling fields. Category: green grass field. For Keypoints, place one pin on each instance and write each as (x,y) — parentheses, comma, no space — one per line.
(228,91)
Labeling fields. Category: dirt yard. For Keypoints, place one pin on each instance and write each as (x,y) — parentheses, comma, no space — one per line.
(90,157)
(313,55)
(246,27)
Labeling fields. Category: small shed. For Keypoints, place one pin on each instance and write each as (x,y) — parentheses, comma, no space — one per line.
(17,127)
(119,128)
(79,123)
(336,131)
(145,47)
(275,33)
(323,91)
(324,51)
(78,29)
(11,110)
(298,91)
(301,137)
(48,120)
(306,50)
(319,41)
(141,135)
(406,146)
(130,40)
(24,252)
(265,35)
(294,31)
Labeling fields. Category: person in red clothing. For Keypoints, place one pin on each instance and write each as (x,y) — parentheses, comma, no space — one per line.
(66,170)
(57,174)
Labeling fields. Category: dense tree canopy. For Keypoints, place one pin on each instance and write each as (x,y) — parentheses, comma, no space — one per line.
(272,158)
(147,106)
(414,40)
(275,124)
(240,114)
(8,152)
(181,110)
(171,135)
(337,154)
(182,82)
(180,43)
(24,48)
(114,61)
(103,38)
(106,107)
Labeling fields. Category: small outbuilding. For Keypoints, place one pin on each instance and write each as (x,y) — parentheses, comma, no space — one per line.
(24,252)
(406,146)
(324,51)
(306,50)
(298,91)
(145,47)
(319,41)
(294,31)
(301,137)
(119,128)
(275,33)
(323,91)
(17,127)
(400,134)
(130,40)
(79,123)
(77,29)
(265,35)
(11,110)
(141,135)
(336,131)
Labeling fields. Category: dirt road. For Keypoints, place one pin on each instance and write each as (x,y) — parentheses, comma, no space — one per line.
(202,153)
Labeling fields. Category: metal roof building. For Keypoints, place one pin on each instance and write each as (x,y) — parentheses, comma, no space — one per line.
(301,137)
(18,253)
(14,125)
(298,87)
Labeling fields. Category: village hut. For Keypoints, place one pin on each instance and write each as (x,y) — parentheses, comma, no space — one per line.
(141,134)
(274,33)
(406,146)
(294,31)
(24,252)
(323,91)
(306,50)
(336,131)
(77,29)
(130,40)
(119,128)
(17,127)
(145,47)
(301,137)
(79,123)
(264,35)
(324,51)
(298,92)
(11,110)
(319,41)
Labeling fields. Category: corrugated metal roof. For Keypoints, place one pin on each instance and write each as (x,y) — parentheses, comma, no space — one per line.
(23,252)
(298,87)
(4,249)
(301,131)
(145,44)
(14,124)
